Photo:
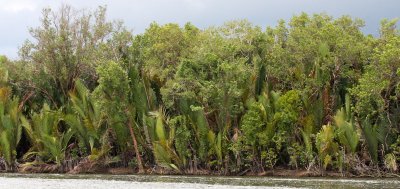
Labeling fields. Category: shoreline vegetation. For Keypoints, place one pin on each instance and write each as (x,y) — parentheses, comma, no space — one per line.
(310,97)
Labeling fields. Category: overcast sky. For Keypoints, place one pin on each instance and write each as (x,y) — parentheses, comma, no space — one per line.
(16,16)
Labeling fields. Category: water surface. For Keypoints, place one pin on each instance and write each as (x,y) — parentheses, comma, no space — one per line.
(62,181)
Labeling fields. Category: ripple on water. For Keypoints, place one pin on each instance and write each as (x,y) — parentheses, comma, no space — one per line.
(61,181)
(34,183)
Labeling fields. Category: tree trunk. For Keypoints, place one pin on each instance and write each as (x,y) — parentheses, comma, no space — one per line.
(139,159)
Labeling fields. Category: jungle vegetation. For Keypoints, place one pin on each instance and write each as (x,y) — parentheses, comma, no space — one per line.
(313,93)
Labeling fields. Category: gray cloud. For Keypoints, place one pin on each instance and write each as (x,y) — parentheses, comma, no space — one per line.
(16,16)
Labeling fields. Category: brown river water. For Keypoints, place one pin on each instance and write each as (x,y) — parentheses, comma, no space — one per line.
(63,181)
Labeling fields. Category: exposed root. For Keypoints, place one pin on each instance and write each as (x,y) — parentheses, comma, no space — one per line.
(37,167)
(88,166)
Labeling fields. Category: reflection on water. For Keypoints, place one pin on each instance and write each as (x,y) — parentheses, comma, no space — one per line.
(62,181)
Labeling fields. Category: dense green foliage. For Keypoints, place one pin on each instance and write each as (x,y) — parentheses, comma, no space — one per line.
(313,93)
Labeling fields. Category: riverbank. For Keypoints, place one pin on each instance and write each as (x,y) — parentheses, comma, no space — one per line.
(279,172)
(313,94)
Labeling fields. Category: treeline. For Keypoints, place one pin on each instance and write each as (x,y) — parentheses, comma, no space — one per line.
(313,94)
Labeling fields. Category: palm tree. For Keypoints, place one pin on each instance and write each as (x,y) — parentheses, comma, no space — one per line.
(163,148)
(86,119)
(48,142)
(346,130)
(10,130)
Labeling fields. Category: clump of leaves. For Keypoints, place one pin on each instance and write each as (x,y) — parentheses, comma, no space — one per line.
(326,145)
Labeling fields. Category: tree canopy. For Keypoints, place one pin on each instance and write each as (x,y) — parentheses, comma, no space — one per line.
(312,93)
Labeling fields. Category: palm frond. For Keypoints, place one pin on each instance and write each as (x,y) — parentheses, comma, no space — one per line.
(371,138)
